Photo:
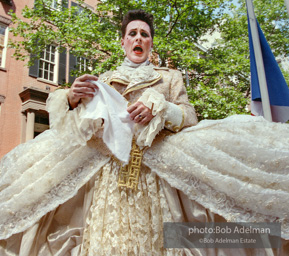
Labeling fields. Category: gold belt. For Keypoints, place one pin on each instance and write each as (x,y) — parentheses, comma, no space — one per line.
(129,174)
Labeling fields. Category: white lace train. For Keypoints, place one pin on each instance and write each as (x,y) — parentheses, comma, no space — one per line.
(237,168)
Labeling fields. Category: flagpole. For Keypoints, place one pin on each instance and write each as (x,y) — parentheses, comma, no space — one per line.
(287,5)
(259,62)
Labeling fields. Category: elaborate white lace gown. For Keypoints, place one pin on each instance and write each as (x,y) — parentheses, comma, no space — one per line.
(60,196)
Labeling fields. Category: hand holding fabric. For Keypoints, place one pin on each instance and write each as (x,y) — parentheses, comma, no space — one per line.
(81,88)
(139,113)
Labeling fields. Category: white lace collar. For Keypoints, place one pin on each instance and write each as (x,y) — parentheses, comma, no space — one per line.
(128,63)
(135,75)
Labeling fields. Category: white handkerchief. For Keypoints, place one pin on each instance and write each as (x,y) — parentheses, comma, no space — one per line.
(111,106)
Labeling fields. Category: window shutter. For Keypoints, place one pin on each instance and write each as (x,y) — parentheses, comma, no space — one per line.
(36,2)
(62,67)
(72,66)
(9,2)
(74,4)
(33,70)
(77,12)
(64,4)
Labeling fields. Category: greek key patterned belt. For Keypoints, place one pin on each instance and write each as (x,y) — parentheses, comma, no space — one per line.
(129,174)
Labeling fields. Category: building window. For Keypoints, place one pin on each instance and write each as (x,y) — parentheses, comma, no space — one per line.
(41,123)
(47,63)
(35,117)
(83,64)
(54,4)
(81,7)
(51,4)
(9,2)
(51,66)
(3,43)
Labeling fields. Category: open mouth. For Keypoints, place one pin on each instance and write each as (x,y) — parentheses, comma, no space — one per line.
(138,50)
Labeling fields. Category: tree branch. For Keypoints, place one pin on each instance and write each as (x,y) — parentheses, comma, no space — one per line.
(106,52)
(178,16)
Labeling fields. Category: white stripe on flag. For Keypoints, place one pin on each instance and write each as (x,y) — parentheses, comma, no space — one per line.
(279,113)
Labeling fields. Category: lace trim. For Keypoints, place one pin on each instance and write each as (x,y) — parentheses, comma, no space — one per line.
(217,167)
(48,180)
(68,123)
(126,222)
(174,116)
(146,133)
(128,63)
(135,78)
(237,168)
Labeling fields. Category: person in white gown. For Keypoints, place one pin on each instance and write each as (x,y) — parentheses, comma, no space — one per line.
(74,191)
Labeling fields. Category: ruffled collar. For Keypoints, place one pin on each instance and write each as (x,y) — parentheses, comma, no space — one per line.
(135,76)
(128,63)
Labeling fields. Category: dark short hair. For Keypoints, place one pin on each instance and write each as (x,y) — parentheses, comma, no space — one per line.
(138,15)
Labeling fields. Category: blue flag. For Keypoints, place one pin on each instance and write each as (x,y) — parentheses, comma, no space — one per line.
(277,87)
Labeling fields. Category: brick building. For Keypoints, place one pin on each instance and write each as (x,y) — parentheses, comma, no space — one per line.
(24,90)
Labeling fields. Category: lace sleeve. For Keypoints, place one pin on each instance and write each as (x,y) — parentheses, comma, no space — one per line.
(157,103)
(173,114)
(57,107)
(68,122)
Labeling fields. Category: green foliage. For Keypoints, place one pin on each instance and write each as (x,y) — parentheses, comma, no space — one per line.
(221,85)
(219,80)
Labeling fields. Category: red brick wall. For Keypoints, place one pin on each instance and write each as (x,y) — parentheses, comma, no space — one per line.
(12,81)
